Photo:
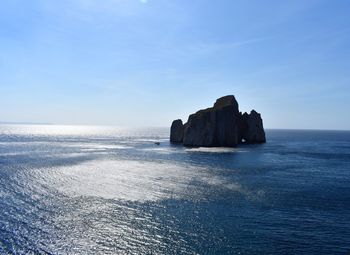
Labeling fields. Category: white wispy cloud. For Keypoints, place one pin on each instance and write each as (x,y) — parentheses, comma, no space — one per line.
(211,47)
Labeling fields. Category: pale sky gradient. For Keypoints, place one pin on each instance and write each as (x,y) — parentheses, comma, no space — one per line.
(147,62)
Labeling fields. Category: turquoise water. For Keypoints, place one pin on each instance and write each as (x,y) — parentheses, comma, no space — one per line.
(104,190)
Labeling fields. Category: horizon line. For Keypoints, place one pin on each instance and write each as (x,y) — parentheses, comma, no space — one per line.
(123,126)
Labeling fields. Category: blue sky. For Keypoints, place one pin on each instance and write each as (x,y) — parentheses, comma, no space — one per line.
(145,63)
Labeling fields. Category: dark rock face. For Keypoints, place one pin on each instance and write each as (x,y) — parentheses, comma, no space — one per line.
(216,126)
(177,131)
(220,125)
(252,130)
(227,118)
(200,129)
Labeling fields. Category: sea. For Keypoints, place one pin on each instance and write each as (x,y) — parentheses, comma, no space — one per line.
(110,190)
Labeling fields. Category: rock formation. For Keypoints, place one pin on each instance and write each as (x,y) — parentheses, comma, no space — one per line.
(252,130)
(176,131)
(220,125)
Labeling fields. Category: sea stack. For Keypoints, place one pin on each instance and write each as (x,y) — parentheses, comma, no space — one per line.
(177,131)
(219,126)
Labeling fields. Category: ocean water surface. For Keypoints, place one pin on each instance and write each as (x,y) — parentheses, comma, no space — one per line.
(105,190)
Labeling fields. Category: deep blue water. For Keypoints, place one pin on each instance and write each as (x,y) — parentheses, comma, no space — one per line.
(102,190)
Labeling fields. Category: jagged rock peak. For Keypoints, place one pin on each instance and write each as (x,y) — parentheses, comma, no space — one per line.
(252,130)
(226,101)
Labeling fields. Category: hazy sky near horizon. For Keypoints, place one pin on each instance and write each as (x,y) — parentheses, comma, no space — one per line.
(147,62)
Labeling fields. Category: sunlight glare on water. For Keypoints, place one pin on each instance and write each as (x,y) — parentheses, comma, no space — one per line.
(107,190)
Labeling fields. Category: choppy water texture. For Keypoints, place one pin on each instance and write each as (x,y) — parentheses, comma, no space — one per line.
(97,190)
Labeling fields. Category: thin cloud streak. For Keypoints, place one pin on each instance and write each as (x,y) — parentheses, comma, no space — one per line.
(207,48)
